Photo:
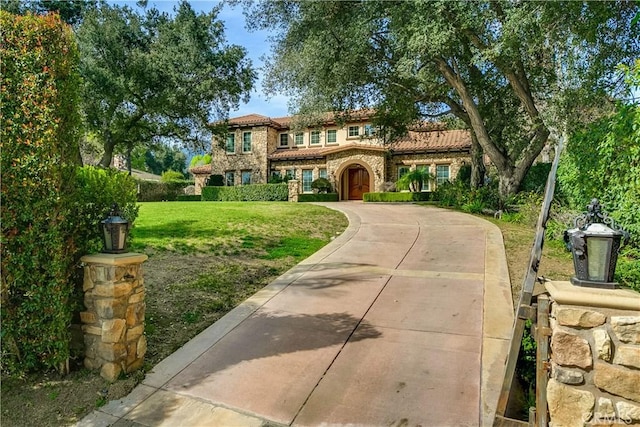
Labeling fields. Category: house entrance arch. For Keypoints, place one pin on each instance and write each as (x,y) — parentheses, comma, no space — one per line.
(356,178)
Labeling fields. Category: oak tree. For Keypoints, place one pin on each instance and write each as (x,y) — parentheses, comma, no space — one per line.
(512,71)
(151,77)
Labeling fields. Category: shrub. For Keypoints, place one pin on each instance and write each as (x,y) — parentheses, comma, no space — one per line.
(39,153)
(189,198)
(536,178)
(320,197)
(603,161)
(172,176)
(397,197)
(153,191)
(322,185)
(200,160)
(246,193)
(98,189)
(414,180)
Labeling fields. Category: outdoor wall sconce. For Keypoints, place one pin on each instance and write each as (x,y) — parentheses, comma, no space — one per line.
(114,232)
(595,242)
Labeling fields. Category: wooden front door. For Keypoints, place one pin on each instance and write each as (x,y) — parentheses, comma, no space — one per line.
(358,183)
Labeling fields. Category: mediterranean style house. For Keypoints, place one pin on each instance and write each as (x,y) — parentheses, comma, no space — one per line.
(352,156)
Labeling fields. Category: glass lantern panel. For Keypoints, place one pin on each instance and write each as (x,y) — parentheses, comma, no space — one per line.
(598,250)
(108,243)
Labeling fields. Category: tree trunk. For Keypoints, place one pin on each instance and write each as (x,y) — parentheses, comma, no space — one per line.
(507,186)
(109,145)
(477,163)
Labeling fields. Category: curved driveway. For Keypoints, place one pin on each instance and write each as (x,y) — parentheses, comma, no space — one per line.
(402,320)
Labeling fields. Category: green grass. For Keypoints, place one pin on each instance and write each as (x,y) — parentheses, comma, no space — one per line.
(262,229)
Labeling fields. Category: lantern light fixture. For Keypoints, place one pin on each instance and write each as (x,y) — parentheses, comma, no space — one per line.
(114,232)
(595,242)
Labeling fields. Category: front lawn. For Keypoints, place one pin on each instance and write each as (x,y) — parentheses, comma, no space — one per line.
(204,259)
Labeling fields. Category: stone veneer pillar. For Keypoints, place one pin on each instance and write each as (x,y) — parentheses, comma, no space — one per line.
(294,189)
(595,356)
(113,323)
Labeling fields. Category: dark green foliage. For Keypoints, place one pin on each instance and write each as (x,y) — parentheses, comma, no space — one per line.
(246,193)
(603,161)
(397,197)
(154,191)
(536,178)
(628,268)
(158,158)
(464,175)
(323,185)
(279,179)
(459,195)
(215,181)
(319,197)
(526,365)
(189,198)
(39,154)
(152,76)
(97,190)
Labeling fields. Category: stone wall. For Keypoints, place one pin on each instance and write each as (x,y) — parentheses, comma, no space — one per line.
(595,356)
(255,161)
(113,323)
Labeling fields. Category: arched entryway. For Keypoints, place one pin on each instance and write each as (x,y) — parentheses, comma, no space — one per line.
(356,180)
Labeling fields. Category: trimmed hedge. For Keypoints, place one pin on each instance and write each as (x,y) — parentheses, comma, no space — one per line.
(397,197)
(189,198)
(247,193)
(319,197)
(39,155)
(154,191)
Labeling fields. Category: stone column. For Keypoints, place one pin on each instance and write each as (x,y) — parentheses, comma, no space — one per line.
(113,323)
(294,189)
(595,356)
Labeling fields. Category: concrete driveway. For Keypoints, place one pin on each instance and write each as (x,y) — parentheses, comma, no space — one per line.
(402,320)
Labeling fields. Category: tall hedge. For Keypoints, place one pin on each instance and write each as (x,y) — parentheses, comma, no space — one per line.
(39,154)
(247,193)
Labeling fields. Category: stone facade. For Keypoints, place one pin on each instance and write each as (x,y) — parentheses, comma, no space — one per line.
(595,356)
(277,147)
(113,323)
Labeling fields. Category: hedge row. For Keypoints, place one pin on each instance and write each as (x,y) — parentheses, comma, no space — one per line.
(189,198)
(319,197)
(397,197)
(247,193)
(154,191)
(39,155)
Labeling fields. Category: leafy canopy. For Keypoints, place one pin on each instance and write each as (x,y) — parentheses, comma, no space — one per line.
(152,77)
(511,71)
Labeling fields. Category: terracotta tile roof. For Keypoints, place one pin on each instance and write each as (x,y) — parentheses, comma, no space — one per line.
(202,169)
(253,120)
(319,152)
(436,140)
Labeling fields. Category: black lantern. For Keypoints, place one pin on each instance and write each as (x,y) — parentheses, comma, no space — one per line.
(595,242)
(114,232)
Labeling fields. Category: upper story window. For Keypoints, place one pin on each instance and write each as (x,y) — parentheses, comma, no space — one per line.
(299,138)
(369,130)
(246,142)
(332,136)
(402,171)
(442,174)
(315,137)
(284,140)
(322,173)
(230,145)
(354,131)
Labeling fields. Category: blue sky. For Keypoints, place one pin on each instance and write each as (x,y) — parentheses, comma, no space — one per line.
(255,42)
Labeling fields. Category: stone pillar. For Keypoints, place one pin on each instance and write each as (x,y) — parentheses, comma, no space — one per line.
(113,323)
(595,356)
(294,189)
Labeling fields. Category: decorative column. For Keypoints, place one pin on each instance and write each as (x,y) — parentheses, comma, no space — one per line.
(595,356)
(113,323)
(294,189)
